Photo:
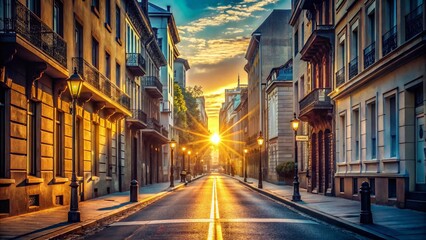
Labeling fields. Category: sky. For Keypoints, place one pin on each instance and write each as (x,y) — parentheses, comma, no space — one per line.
(214,38)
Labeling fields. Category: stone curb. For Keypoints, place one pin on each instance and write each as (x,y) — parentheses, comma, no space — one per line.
(81,226)
(321,215)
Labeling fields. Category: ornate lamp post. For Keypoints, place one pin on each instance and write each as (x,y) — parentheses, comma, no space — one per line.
(296,195)
(182,175)
(172,178)
(75,83)
(260,143)
(245,164)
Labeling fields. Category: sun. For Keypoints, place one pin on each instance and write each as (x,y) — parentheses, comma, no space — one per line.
(215,138)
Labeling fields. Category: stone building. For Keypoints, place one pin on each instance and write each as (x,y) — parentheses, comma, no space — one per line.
(313,44)
(166,32)
(38,53)
(270,46)
(279,113)
(379,85)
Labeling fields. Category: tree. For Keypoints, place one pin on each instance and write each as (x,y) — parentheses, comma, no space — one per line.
(179,109)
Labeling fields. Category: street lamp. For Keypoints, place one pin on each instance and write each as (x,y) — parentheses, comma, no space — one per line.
(295,125)
(75,83)
(182,175)
(245,164)
(260,143)
(172,147)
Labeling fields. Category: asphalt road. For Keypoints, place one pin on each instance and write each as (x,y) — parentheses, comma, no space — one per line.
(219,207)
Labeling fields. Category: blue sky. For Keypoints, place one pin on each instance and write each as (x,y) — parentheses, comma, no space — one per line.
(214,38)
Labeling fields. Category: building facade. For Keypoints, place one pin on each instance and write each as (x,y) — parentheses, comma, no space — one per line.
(39,51)
(166,32)
(379,87)
(180,68)
(279,113)
(312,89)
(270,46)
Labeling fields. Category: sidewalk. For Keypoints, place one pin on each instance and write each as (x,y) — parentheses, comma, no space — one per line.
(389,222)
(51,223)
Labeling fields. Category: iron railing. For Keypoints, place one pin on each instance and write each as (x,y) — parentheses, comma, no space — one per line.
(414,22)
(92,75)
(317,97)
(152,81)
(340,77)
(135,60)
(165,132)
(353,67)
(17,18)
(154,124)
(370,55)
(389,40)
(139,115)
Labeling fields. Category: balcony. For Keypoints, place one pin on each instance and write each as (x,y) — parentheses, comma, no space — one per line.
(353,67)
(318,43)
(340,77)
(369,55)
(389,40)
(414,22)
(17,21)
(138,120)
(155,130)
(153,86)
(315,105)
(135,63)
(101,87)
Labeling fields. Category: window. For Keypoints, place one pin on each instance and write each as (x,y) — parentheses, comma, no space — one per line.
(342,138)
(354,186)
(371,24)
(355,134)
(79,147)
(372,182)
(78,51)
(296,43)
(95,149)
(95,7)
(342,185)
(390,16)
(391,125)
(59,144)
(118,75)
(33,137)
(341,61)
(108,12)
(34,6)
(371,130)
(58,16)
(353,64)
(95,53)
(117,22)
(107,65)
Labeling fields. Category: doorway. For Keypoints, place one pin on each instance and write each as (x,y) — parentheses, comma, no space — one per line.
(420,150)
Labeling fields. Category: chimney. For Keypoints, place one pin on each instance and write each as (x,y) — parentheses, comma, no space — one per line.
(168,8)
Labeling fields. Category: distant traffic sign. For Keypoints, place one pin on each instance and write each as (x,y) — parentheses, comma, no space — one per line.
(302,138)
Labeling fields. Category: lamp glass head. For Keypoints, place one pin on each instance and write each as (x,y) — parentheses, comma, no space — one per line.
(75,84)
(260,139)
(183,149)
(172,143)
(295,124)
(245,150)
(189,152)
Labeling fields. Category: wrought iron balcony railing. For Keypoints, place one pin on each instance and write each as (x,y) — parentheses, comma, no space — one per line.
(340,77)
(389,40)
(414,22)
(153,81)
(139,115)
(92,75)
(370,54)
(165,132)
(317,98)
(136,63)
(353,67)
(154,124)
(17,18)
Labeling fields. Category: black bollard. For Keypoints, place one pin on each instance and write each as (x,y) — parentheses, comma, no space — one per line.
(365,217)
(134,191)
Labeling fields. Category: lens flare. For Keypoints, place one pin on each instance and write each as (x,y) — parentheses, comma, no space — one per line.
(215,138)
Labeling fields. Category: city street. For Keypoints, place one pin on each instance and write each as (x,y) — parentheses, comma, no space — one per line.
(219,207)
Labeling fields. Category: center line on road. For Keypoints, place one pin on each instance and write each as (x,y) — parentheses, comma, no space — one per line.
(215,229)
(212,221)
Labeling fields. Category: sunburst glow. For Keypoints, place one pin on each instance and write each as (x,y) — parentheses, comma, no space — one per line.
(215,138)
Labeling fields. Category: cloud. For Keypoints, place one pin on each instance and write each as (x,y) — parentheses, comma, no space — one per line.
(223,14)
